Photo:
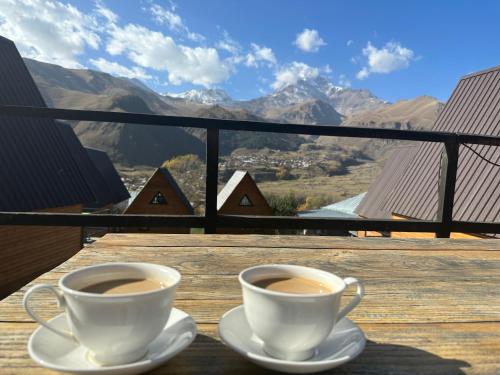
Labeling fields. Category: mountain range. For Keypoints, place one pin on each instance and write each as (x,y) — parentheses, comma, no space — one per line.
(314,101)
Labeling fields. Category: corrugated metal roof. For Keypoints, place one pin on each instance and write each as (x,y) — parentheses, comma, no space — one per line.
(372,205)
(101,160)
(37,169)
(91,174)
(474,108)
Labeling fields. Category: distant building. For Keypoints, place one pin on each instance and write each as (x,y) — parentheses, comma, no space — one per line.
(341,210)
(408,186)
(43,168)
(241,196)
(160,196)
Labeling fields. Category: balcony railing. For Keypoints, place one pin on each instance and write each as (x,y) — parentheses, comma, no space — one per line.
(443,226)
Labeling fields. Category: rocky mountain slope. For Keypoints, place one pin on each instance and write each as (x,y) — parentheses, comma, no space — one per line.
(203,96)
(126,144)
(231,140)
(344,100)
(414,114)
(312,112)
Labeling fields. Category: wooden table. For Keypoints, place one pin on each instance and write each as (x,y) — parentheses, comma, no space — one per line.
(431,306)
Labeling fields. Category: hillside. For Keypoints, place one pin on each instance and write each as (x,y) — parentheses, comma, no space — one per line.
(414,114)
(135,145)
(419,113)
(311,112)
(231,140)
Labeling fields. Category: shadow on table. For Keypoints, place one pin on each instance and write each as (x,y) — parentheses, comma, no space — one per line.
(209,356)
(392,359)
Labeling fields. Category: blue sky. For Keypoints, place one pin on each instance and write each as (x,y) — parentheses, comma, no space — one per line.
(396,49)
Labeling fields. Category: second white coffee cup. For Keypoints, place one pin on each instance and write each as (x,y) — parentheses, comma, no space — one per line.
(292,325)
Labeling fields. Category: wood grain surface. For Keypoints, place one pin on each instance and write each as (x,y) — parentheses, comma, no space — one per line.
(432,306)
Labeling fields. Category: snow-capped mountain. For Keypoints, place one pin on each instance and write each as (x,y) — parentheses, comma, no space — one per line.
(344,100)
(304,90)
(204,96)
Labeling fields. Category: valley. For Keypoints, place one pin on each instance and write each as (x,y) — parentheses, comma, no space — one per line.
(315,170)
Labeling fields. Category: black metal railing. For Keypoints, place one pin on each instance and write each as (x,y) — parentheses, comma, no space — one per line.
(443,226)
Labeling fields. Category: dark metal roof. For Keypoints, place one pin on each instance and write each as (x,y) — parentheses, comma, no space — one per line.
(117,189)
(89,171)
(474,108)
(37,168)
(372,205)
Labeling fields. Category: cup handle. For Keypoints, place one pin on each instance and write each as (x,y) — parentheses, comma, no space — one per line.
(360,292)
(61,302)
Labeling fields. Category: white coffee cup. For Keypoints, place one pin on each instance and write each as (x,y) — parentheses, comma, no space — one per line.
(290,325)
(115,328)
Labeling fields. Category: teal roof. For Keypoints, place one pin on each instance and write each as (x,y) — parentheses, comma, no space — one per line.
(342,209)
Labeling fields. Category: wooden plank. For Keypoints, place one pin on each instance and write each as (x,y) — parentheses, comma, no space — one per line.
(300,242)
(374,308)
(230,261)
(400,349)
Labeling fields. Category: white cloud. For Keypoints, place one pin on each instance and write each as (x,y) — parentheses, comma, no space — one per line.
(363,73)
(327,69)
(107,13)
(116,69)
(349,42)
(166,17)
(48,30)
(344,81)
(291,73)
(228,44)
(260,54)
(309,41)
(393,56)
(152,49)
(173,21)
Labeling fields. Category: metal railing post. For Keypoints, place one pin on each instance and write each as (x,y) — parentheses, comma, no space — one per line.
(447,182)
(212,178)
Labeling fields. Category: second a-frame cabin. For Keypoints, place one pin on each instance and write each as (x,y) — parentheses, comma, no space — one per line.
(241,196)
(160,196)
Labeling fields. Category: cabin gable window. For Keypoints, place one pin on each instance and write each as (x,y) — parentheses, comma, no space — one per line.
(158,198)
(245,201)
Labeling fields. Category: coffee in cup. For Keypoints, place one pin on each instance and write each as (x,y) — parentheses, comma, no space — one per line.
(292,309)
(114,310)
(293,285)
(125,286)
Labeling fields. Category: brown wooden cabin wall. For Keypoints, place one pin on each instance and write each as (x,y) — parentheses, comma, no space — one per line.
(259,207)
(141,205)
(28,251)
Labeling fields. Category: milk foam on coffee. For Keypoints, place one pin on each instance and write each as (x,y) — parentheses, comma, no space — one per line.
(294,285)
(124,286)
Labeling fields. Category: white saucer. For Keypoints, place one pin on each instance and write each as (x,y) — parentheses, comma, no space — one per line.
(57,353)
(343,344)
